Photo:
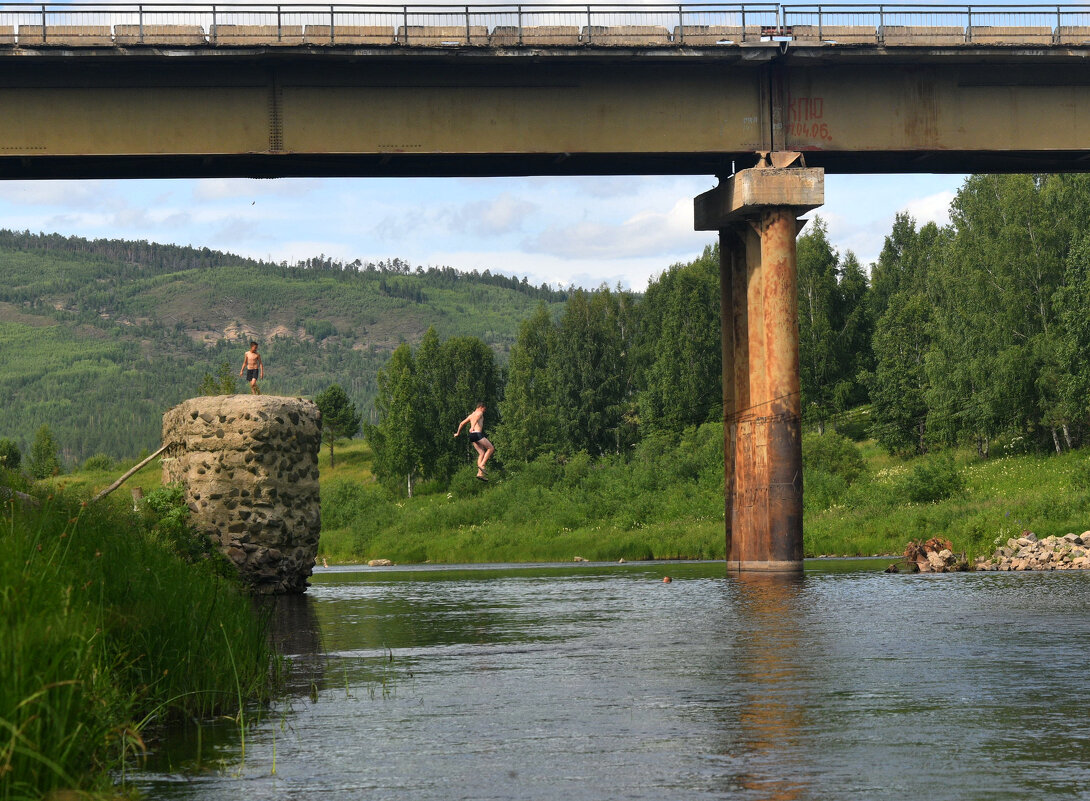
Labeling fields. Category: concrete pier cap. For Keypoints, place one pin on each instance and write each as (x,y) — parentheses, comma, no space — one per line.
(756,213)
(749,193)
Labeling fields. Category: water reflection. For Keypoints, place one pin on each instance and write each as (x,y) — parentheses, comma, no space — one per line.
(772,712)
(295,632)
(603,682)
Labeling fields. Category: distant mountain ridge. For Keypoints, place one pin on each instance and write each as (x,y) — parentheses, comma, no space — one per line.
(99,337)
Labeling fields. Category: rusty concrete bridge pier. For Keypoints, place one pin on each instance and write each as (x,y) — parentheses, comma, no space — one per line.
(756,214)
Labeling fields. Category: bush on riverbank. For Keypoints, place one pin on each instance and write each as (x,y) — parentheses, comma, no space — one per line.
(106,628)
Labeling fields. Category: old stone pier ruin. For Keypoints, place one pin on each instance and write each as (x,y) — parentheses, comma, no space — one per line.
(249,467)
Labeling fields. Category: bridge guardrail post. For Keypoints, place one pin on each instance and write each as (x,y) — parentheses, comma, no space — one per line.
(467,26)
(43,23)
(520,24)
(680,23)
(880,36)
(744,21)
(140,22)
(405,15)
(969,24)
(332,38)
(1059,22)
(590,31)
(212,32)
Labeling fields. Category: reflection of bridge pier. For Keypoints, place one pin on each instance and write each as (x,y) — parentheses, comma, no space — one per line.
(755,212)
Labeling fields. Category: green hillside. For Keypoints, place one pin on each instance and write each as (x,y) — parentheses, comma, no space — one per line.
(99,338)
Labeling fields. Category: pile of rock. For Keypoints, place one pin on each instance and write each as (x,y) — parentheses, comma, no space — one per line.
(933,556)
(1069,552)
(249,467)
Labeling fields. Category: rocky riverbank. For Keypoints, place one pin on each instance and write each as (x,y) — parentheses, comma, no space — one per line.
(1069,552)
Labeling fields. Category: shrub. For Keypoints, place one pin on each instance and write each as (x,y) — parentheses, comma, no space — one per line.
(10,456)
(833,454)
(344,502)
(931,479)
(99,461)
(821,489)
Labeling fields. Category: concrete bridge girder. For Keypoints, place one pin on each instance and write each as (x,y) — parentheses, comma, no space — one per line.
(293,111)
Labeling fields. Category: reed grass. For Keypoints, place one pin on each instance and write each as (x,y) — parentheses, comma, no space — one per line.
(107,629)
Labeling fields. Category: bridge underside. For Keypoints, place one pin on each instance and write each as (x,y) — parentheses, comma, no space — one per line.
(481,113)
(298,165)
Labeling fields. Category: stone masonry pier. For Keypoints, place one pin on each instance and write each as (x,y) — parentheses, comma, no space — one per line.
(249,468)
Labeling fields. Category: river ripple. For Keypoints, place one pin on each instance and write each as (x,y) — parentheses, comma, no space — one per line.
(602,682)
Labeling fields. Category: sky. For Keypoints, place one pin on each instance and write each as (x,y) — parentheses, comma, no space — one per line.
(581,231)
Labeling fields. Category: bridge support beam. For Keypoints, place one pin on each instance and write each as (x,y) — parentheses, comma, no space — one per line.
(756,214)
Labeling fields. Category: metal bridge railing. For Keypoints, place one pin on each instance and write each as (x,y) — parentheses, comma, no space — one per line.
(35,25)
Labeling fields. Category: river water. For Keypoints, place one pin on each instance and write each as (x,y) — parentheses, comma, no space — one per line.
(604,682)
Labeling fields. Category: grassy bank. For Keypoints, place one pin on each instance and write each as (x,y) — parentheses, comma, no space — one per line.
(111,620)
(990,500)
(664,500)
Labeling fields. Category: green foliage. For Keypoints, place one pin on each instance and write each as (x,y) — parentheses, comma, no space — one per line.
(831,463)
(320,329)
(10,455)
(222,383)
(105,631)
(590,374)
(43,461)
(99,461)
(679,353)
(530,421)
(663,499)
(932,479)
(1072,302)
(340,420)
(422,398)
(832,453)
(994,365)
(899,384)
(834,326)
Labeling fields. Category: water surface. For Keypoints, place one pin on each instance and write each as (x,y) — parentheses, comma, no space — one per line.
(602,682)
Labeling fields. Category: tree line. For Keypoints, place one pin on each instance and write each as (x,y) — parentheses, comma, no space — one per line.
(973,333)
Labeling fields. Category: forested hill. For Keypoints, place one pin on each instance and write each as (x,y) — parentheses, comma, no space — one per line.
(98,338)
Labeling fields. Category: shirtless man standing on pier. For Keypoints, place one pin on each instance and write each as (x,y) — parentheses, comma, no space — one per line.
(477,439)
(253,368)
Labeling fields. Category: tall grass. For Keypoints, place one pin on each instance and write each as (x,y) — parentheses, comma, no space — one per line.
(106,628)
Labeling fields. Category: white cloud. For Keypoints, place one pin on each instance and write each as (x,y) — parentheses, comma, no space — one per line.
(933,208)
(645,234)
(501,215)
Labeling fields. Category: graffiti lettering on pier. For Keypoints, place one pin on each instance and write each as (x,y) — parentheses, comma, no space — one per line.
(806,118)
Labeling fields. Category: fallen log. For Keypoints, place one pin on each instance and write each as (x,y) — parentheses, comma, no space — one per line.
(127,476)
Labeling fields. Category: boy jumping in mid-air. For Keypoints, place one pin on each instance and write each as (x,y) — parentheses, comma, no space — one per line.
(477,439)
(253,368)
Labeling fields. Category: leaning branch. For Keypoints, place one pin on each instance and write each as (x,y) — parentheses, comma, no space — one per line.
(127,475)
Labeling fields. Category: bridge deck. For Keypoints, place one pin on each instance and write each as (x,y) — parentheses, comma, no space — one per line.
(308,90)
